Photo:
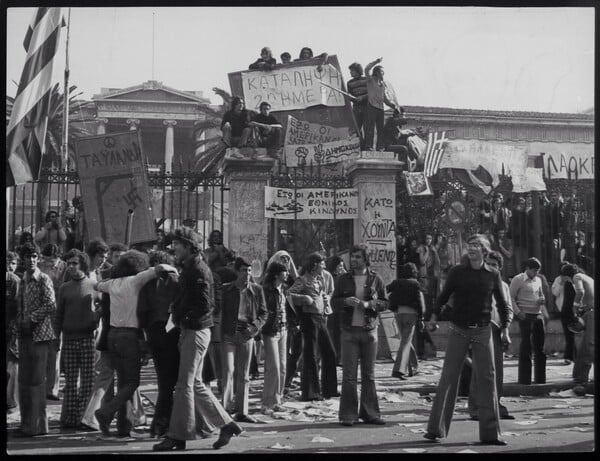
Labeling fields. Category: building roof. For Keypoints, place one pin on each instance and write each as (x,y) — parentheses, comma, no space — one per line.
(584,117)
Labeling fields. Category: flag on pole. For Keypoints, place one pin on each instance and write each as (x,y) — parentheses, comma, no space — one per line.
(26,130)
(436,142)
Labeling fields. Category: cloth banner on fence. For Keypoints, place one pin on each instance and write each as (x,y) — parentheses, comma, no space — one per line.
(313,203)
(570,164)
(289,88)
(181,204)
(113,180)
(322,153)
(492,156)
(303,132)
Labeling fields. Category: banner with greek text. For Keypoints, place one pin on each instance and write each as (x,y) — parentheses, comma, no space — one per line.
(314,203)
(568,163)
(322,153)
(302,132)
(290,88)
(114,184)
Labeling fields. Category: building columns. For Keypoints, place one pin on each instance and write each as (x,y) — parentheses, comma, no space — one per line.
(169,144)
(102,122)
(133,123)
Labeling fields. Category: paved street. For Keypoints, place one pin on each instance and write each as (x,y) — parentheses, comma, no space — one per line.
(549,418)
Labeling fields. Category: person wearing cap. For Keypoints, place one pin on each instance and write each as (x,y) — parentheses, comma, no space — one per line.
(529,305)
(192,313)
(286,58)
(583,308)
(472,284)
(357,87)
(34,332)
(243,315)
(376,96)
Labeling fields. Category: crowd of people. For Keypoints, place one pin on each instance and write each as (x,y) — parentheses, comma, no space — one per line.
(201,314)
(369,93)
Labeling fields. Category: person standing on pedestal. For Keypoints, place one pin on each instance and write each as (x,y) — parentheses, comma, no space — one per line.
(472,285)
(360,295)
(529,305)
(357,87)
(376,99)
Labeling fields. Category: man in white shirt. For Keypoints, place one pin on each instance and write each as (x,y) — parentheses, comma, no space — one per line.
(129,276)
(529,306)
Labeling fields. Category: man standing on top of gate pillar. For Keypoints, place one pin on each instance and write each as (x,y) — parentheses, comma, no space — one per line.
(376,98)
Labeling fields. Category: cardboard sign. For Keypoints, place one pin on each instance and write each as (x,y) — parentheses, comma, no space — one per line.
(288,88)
(303,132)
(323,153)
(113,180)
(314,203)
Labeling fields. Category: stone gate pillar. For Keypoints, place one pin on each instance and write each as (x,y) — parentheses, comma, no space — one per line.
(247,226)
(375,227)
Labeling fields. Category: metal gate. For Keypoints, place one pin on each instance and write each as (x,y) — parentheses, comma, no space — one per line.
(301,237)
(181,196)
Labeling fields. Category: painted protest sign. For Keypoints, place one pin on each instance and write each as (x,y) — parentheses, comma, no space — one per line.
(493,156)
(313,203)
(322,153)
(572,161)
(181,204)
(303,132)
(532,180)
(113,180)
(289,88)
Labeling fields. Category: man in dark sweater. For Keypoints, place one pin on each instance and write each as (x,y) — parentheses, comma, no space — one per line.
(235,124)
(154,301)
(77,320)
(472,285)
(192,312)
(268,129)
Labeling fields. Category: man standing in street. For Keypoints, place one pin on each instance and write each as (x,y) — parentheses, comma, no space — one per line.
(192,313)
(529,305)
(35,332)
(359,295)
(244,314)
(494,260)
(583,308)
(472,285)
(309,292)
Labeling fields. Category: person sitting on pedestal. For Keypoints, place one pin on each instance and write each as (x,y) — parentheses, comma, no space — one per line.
(265,62)
(394,140)
(235,124)
(268,129)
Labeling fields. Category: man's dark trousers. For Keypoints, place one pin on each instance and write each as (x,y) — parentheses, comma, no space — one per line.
(532,341)
(317,341)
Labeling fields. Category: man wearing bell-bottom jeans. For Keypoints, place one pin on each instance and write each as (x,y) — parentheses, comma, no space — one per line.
(472,285)
(194,404)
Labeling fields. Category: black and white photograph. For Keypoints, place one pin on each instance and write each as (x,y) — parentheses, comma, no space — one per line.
(272,229)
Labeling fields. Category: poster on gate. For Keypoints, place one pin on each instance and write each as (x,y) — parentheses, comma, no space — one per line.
(322,153)
(303,132)
(311,203)
(114,184)
(290,88)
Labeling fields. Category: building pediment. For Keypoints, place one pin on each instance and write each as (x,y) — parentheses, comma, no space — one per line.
(151,91)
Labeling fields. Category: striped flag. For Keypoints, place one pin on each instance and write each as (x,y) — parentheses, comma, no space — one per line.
(26,130)
(436,142)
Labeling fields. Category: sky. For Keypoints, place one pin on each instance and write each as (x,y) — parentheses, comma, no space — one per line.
(522,59)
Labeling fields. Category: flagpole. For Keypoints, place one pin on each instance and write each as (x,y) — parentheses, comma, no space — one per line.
(65,143)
